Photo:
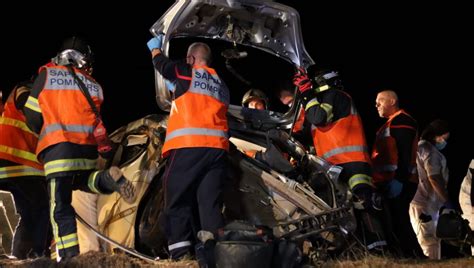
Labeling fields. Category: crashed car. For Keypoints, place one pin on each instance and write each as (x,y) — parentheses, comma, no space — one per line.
(300,200)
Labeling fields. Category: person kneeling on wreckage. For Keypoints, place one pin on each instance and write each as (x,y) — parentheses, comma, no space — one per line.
(63,109)
(339,138)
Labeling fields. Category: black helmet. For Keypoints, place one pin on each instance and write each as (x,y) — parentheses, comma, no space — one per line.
(75,51)
(327,78)
(253,94)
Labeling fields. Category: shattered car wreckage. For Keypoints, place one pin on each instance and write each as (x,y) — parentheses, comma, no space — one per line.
(300,200)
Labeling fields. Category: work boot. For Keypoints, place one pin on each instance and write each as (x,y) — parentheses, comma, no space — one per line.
(205,254)
(116,181)
(377,201)
(366,199)
(186,257)
(65,255)
(181,254)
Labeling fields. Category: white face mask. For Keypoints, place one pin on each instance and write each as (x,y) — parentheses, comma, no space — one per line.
(441,145)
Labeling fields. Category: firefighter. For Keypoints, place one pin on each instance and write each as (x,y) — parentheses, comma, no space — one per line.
(339,138)
(196,146)
(300,127)
(255,99)
(63,109)
(394,163)
(23,176)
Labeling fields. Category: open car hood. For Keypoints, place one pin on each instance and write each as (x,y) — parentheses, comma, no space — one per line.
(265,25)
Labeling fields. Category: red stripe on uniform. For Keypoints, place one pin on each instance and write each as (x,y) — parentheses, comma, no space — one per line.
(181,76)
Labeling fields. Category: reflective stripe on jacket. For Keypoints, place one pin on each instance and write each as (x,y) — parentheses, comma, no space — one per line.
(19,171)
(198,117)
(67,115)
(342,141)
(17,141)
(385,153)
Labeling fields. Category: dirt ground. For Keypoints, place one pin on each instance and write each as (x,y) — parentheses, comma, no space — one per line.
(97,259)
(378,262)
(122,261)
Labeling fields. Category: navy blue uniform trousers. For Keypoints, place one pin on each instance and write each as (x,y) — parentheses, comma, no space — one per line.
(193,182)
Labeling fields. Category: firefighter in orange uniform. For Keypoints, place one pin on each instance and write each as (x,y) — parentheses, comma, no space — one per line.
(339,138)
(23,176)
(196,146)
(394,163)
(70,135)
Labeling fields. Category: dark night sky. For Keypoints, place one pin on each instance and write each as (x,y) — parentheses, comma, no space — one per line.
(418,51)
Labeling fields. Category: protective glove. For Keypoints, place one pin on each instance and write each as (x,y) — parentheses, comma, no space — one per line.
(104,145)
(367,199)
(394,188)
(155,42)
(170,85)
(107,151)
(302,81)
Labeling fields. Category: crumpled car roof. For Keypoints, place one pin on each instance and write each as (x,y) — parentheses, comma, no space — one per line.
(265,25)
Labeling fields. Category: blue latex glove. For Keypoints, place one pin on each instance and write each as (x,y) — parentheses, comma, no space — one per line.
(394,188)
(155,42)
(170,85)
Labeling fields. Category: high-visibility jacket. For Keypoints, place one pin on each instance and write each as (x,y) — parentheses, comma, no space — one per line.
(198,117)
(17,142)
(66,113)
(385,153)
(342,141)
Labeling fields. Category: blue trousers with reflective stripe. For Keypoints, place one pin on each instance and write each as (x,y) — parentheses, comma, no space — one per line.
(63,219)
(193,183)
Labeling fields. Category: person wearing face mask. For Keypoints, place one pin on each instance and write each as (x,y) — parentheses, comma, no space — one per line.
(432,193)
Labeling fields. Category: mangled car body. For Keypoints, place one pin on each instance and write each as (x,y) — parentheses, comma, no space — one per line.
(300,200)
